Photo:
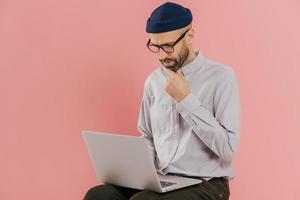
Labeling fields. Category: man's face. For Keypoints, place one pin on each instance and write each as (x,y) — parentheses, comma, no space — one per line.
(175,59)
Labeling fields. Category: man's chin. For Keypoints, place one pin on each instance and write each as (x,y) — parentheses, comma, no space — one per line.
(173,68)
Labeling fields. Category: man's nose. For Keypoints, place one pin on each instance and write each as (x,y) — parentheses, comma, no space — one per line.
(162,54)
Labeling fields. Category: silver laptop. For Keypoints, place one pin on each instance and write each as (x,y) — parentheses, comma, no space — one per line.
(126,161)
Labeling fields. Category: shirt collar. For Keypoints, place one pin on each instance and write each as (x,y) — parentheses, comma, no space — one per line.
(194,65)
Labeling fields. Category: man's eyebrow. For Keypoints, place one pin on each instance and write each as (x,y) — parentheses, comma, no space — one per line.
(167,43)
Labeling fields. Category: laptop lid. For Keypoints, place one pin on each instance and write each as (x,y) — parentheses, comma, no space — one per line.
(121,160)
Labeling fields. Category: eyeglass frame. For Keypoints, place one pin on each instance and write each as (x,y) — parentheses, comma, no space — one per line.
(167,44)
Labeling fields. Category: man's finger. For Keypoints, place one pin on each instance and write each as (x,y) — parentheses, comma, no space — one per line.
(179,72)
(170,72)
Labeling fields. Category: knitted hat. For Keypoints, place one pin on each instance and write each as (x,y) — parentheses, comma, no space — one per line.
(167,17)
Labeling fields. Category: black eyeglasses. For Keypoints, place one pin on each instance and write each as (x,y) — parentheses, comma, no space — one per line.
(168,48)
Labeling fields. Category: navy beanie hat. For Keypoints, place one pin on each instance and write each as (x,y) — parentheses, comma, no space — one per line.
(167,17)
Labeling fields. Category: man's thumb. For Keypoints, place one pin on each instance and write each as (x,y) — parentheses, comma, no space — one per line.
(179,72)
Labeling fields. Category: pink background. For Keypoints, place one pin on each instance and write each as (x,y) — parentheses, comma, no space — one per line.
(66,66)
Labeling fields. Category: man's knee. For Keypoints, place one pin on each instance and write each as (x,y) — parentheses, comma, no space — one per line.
(101,192)
(145,195)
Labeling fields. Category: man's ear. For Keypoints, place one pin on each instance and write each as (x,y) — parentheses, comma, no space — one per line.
(189,36)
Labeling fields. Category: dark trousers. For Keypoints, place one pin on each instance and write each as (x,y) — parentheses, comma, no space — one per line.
(214,189)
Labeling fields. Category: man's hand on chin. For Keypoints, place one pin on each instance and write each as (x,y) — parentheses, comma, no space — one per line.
(177,85)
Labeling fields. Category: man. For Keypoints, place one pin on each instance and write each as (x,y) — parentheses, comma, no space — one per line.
(189,114)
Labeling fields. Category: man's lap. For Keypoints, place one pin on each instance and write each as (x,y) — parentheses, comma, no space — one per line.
(212,189)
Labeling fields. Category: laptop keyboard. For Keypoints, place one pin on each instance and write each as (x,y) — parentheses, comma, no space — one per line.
(166,184)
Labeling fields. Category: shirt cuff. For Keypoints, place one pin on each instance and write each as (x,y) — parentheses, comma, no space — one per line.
(188,105)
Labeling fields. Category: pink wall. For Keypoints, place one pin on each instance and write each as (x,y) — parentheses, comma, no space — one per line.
(69,65)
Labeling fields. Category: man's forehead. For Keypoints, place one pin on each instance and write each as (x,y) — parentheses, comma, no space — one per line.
(163,38)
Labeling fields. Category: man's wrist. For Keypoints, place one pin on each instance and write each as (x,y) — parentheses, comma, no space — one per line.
(189,104)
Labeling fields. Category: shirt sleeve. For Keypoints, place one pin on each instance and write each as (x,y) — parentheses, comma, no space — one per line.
(144,123)
(220,131)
